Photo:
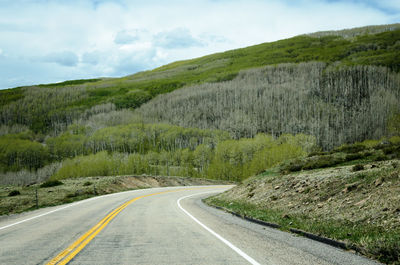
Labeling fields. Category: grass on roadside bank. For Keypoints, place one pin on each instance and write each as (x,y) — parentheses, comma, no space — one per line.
(372,240)
(15,199)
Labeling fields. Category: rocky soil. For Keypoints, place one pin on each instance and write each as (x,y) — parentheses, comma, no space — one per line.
(368,194)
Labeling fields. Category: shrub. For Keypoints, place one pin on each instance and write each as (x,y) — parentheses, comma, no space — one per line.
(351,157)
(320,162)
(323,161)
(87,183)
(14,193)
(358,167)
(395,139)
(295,165)
(317,153)
(381,157)
(351,148)
(51,183)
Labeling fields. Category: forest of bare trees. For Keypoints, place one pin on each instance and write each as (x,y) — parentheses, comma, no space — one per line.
(336,104)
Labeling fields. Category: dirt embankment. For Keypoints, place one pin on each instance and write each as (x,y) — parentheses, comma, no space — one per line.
(370,195)
(358,204)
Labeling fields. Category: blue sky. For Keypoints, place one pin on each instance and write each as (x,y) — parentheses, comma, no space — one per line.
(46,41)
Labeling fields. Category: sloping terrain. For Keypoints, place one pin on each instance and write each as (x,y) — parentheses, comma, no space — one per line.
(357,202)
(336,105)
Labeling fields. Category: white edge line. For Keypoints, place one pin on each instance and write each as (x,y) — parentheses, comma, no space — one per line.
(79,202)
(229,244)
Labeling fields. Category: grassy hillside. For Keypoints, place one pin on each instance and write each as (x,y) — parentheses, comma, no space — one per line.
(49,108)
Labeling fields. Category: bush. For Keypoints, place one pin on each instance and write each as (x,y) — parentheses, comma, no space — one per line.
(381,157)
(14,193)
(351,148)
(391,149)
(295,165)
(317,153)
(351,157)
(312,163)
(358,167)
(87,183)
(320,162)
(51,183)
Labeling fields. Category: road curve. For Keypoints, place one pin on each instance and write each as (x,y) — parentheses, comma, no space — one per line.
(154,226)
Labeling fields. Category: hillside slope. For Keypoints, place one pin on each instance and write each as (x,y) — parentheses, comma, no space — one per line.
(337,105)
(51,107)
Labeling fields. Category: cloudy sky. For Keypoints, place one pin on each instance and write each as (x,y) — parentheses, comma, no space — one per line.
(46,41)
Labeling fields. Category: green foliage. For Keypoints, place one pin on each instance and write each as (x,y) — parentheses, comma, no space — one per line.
(132,99)
(14,193)
(51,183)
(87,183)
(358,167)
(349,154)
(100,164)
(394,124)
(239,159)
(370,143)
(9,95)
(71,82)
(350,148)
(17,152)
(395,139)
(355,156)
(310,163)
(229,160)
(67,145)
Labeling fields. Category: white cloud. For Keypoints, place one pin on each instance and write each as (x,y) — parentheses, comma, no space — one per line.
(177,38)
(126,37)
(64,58)
(89,38)
(91,57)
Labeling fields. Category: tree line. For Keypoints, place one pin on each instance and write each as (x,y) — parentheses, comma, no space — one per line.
(233,160)
(156,149)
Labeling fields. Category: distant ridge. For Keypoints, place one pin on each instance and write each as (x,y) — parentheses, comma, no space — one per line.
(353,32)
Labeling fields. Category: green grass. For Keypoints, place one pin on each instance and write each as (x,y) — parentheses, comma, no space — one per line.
(372,240)
(71,82)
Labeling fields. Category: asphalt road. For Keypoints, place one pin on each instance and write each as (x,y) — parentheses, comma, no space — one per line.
(154,226)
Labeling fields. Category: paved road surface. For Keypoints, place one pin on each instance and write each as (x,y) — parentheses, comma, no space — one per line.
(154,226)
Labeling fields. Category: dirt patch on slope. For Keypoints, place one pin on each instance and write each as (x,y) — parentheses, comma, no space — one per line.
(370,195)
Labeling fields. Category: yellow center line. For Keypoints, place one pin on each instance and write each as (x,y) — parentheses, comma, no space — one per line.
(71,251)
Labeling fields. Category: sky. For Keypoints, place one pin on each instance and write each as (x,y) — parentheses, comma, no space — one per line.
(46,41)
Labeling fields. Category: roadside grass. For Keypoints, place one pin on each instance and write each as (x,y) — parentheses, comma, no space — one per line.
(371,240)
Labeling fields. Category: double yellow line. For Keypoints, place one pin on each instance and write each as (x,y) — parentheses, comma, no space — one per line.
(71,251)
